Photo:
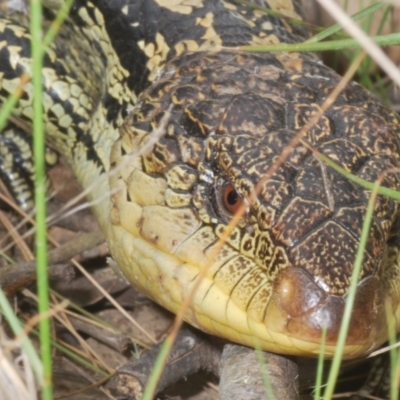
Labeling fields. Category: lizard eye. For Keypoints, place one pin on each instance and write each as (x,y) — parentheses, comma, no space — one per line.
(231,199)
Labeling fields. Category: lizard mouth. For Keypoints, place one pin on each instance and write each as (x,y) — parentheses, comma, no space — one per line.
(288,318)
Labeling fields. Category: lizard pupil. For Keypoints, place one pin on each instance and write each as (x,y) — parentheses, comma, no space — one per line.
(231,199)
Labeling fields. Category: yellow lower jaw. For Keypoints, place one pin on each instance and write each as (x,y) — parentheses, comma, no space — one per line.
(169,282)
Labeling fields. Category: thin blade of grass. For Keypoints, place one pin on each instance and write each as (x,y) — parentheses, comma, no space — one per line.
(337,27)
(394,391)
(56,24)
(276,14)
(264,370)
(391,39)
(395,374)
(40,196)
(367,43)
(157,370)
(393,194)
(364,73)
(8,105)
(73,356)
(337,358)
(17,329)
(11,102)
(96,319)
(320,366)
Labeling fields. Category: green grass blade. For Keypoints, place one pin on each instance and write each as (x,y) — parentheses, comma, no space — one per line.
(393,194)
(337,27)
(56,24)
(40,196)
(342,44)
(367,65)
(26,344)
(273,13)
(394,353)
(73,356)
(337,358)
(156,372)
(320,366)
(7,258)
(264,370)
(395,373)
(11,102)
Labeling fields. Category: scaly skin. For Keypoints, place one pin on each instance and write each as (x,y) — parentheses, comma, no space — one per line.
(284,272)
